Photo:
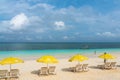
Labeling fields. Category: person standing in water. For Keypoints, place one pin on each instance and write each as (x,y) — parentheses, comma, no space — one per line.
(95,52)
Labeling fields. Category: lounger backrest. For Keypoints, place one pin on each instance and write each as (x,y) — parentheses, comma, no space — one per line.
(107,64)
(3,73)
(113,64)
(52,69)
(44,70)
(78,67)
(14,72)
(85,66)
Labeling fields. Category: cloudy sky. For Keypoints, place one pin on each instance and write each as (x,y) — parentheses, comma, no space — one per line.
(59,20)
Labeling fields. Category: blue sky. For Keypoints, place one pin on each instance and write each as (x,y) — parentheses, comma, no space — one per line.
(59,21)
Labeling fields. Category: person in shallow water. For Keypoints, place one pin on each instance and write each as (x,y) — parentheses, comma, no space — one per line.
(95,52)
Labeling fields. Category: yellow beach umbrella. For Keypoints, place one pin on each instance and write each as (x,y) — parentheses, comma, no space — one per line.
(47,59)
(107,56)
(78,58)
(11,60)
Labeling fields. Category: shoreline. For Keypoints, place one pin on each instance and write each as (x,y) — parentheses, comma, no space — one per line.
(62,56)
(64,53)
(58,56)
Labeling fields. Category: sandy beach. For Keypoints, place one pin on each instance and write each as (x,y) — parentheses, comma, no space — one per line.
(29,70)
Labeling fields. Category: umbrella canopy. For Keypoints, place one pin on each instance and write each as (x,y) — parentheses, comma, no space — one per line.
(106,56)
(78,58)
(11,60)
(47,59)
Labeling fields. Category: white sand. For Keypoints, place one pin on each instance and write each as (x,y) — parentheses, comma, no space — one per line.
(29,68)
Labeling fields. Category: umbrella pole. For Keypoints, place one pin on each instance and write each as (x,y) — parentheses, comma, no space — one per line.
(78,62)
(104,60)
(47,65)
(10,67)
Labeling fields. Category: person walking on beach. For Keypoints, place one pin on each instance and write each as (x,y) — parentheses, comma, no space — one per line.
(104,58)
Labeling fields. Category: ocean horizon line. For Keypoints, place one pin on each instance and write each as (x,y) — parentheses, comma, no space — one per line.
(59,42)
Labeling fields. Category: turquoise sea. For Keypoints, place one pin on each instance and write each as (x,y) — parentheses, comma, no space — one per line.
(35,50)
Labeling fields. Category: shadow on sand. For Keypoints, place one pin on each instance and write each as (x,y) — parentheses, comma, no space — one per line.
(66,70)
(93,67)
(118,65)
(36,72)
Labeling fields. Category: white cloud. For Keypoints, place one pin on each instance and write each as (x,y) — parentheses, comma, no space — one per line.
(19,21)
(65,37)
(42,5)
(40,30)
(59,25)
(77,33)
(107,34)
